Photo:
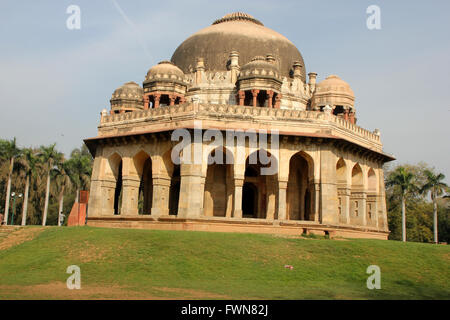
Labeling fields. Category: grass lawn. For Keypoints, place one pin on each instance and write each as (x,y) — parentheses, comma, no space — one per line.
(146,264)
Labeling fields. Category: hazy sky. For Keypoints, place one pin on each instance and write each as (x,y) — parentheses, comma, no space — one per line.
(54,81)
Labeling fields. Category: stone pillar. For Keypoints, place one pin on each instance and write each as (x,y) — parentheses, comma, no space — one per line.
(241,95)
(328,186)
(146,102)
(346,204)
(381,206)
(317,202)
(199,70)
(130,195)
(297,66)
(278,101)
(191,191)
(156,97)
(234,66)
(238,185)
(312,81)
(282,211)
(270,97)
(172,98)
(108,187)
(255,96)
(160,199)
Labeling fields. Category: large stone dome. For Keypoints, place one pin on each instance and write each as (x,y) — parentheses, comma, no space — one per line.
(236,32)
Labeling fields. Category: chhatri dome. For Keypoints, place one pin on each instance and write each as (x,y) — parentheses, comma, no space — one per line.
(237,76)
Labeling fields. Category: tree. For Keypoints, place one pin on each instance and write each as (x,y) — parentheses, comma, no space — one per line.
(436,188)
(9,151)
(27,162)
(63,182)
(79,167)
(403,179)
(49,157)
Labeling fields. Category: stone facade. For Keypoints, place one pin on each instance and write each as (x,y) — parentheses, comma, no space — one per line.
(328,176)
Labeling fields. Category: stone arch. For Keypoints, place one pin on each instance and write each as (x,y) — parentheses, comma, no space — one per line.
(343,191)
(142,167)
(266,185)
(357,177)
(300,187)
(372,181)
(113,172)
(357,196)
(219,186)
(172,171)
(341,171)
(372,193)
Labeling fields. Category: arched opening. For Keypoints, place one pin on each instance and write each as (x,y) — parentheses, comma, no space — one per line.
(341,176)
(164,100)
(249,206)
(248,100)
(300,189)
(146,188)
(371,197)
(357,190)
(174,193)
(261,98)
(118,191)
(264,194)
(218,195)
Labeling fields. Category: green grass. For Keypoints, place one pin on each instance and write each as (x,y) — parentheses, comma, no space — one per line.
(236,266)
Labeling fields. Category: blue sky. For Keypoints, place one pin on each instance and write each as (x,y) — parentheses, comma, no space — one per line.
(54,82)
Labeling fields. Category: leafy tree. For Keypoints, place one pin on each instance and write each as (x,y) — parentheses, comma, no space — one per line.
(79,167)
(435,186)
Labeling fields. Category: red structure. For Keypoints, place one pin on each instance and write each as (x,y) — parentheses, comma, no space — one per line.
(77,215)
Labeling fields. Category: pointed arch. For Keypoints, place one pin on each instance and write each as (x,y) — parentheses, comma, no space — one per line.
(266,186)
(300,188)
(219,186)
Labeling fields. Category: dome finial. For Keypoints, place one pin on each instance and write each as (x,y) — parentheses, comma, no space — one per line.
(238,16)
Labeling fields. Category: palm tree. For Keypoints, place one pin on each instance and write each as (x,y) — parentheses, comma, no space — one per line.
(27,162)
(9,151)
(63,182)
(79,167)
(436,187)
(404,180)
(49,157)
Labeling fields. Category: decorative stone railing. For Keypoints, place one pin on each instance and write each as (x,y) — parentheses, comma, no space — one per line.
(237,111)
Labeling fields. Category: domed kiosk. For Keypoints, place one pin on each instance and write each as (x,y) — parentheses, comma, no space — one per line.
(230,135)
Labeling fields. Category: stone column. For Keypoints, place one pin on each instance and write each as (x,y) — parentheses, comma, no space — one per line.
(255,96)
(238,185)
(130,195)
(108,187)
(278,101)
(346,204)
(146,102)
(282,212)
(328,186)
(241,95)
(156,97)
(160,199)
(270,97)
(172,99)
(191,191)
(317,201)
